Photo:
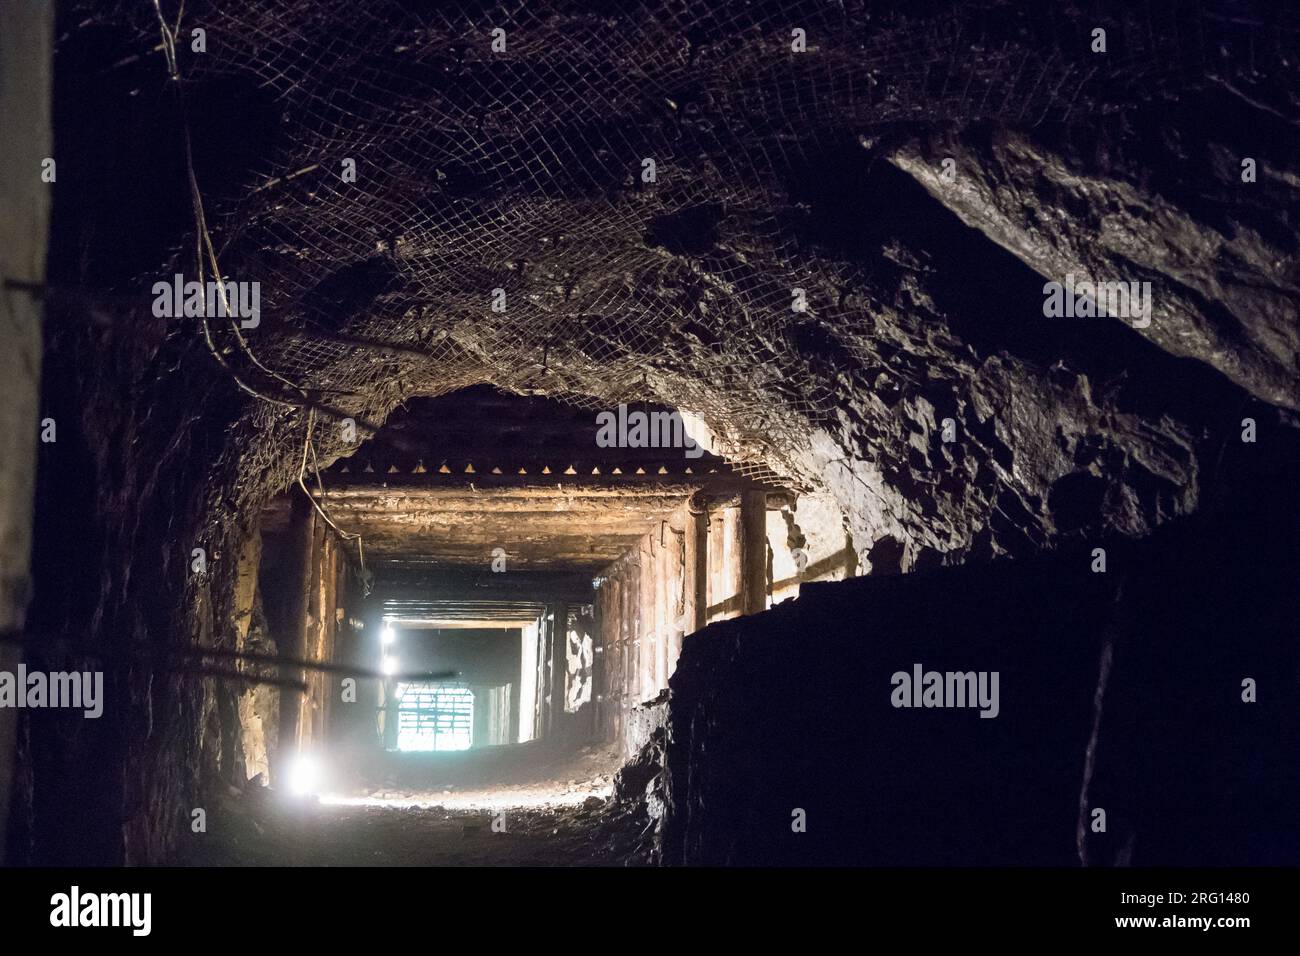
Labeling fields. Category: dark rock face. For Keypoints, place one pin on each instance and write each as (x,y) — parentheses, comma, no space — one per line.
(640,783)
(1156,196)
(773,175)
(1119,691)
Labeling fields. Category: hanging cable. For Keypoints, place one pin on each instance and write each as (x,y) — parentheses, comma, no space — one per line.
(204,245)
(309,448)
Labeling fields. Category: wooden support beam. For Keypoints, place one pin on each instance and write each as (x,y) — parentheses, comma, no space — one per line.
(469,624)
(302,538)
(516,698)
(559,642)
(696,573)
(645,638)
(598,666)
(660,617)
(314,634)
(323,689)
(515,586)
(753,552)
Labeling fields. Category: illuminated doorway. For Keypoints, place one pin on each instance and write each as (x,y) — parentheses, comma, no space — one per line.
(434,716)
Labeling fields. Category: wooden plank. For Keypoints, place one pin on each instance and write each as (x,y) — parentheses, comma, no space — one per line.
(753,552)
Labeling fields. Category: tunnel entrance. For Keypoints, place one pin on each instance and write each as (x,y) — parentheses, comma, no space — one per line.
(489,596)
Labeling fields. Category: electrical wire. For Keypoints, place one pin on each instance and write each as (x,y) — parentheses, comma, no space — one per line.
(204,244)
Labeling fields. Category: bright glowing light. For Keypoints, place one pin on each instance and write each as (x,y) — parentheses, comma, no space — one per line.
(305,776)
(387,635)
(389,666)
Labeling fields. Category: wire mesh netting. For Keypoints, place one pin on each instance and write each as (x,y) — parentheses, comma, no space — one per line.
(617,176)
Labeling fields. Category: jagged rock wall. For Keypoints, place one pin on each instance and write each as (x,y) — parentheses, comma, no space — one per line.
(1120,691)
(680,289)
(1162,195)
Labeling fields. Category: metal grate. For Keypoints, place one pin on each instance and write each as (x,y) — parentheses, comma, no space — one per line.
(434,716)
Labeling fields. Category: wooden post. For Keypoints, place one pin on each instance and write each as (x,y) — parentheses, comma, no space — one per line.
(313,635)
(559,665)
(734,562)
(516,700)
(661,613)
(753,552)
(626,660)
(324,687)
(631,632)
(646,622)
(545,670)
(390,716)
(541,666)
(695,583)
(719,576)
(302,540)
(597,660)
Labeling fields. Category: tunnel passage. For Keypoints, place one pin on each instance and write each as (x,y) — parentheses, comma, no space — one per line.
(514,545)
(859,334)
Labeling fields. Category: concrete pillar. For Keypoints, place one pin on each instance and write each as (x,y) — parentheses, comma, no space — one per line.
(753,552)
(25,78)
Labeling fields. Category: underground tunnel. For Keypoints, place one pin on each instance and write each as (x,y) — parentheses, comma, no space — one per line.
(661,435)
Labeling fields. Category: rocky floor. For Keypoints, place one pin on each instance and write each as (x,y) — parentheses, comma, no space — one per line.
(509,808)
